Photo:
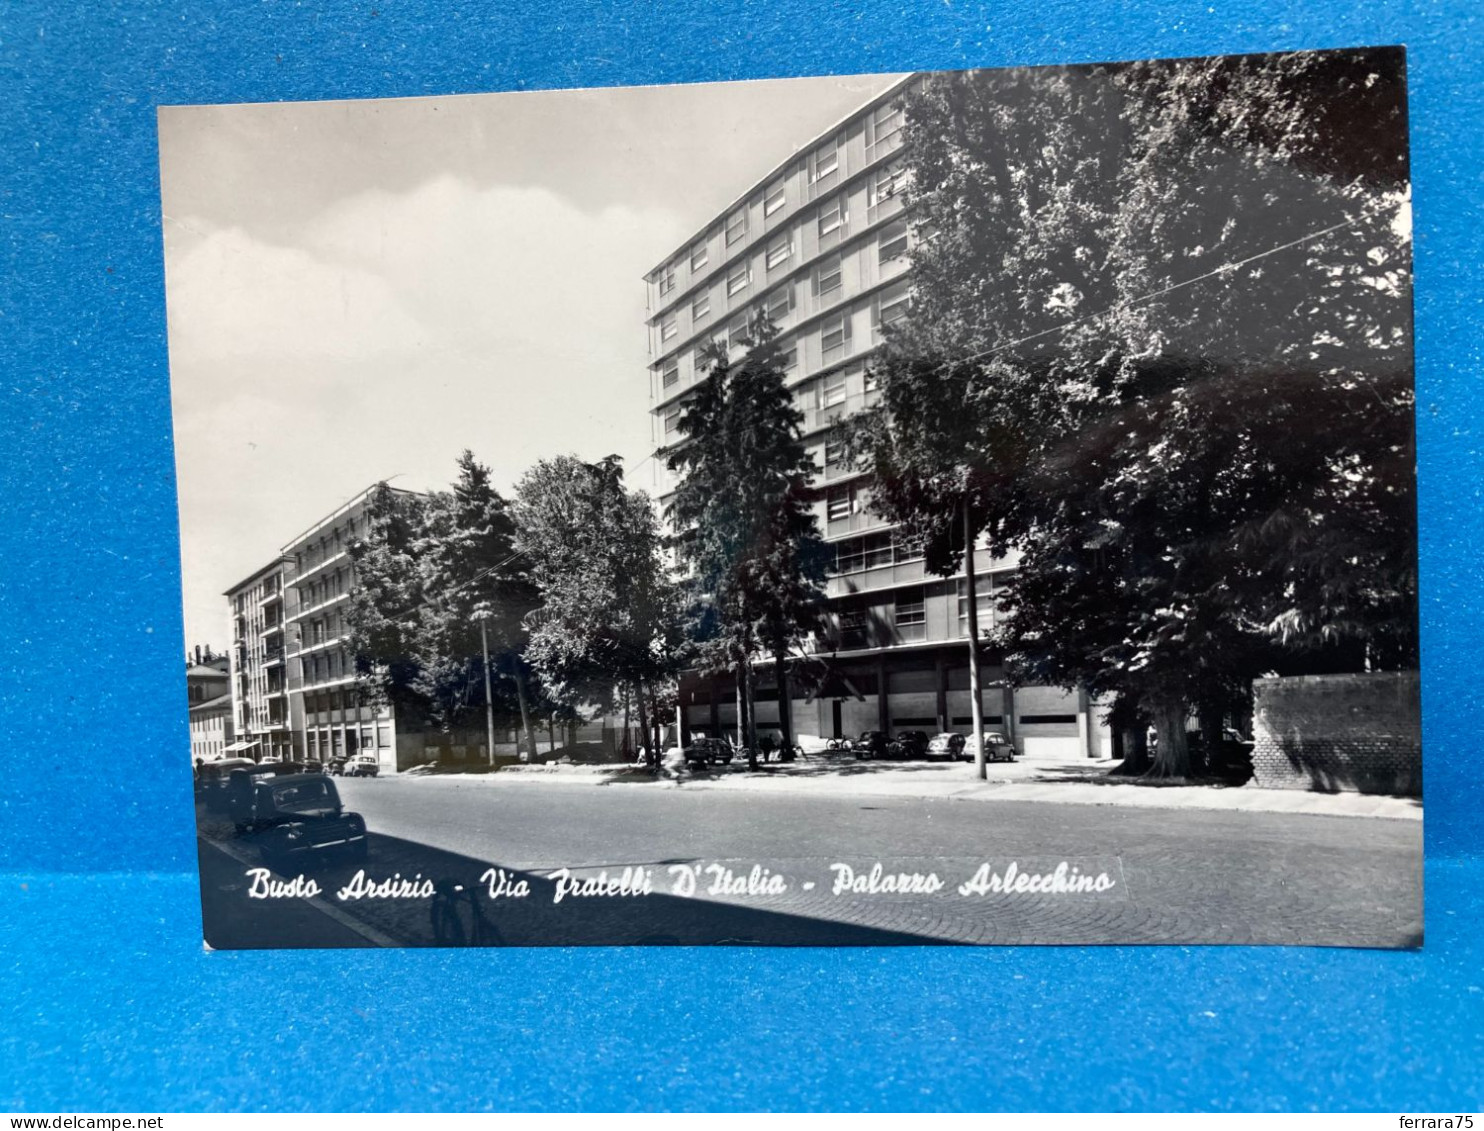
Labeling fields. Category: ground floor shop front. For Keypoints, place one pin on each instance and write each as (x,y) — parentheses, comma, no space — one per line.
(895,690)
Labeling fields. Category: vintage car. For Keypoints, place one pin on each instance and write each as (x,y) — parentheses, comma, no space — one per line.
(295,819)
(704,751)
(946,745)
(997,748)
(910,744)
(212,779)
(361,766)
(871,744)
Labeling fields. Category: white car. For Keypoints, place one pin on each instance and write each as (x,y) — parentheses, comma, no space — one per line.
(362,766)
(997,748)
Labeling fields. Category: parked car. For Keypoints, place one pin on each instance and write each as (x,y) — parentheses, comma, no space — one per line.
(910,744)
(297,819)
(871,744)
(997,748)
(362,766)
(704,751)
(336,765)
(212,779)
(946,745)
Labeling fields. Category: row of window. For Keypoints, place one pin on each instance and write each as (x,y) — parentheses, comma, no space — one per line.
(826,278)
(834,339)
(821,167)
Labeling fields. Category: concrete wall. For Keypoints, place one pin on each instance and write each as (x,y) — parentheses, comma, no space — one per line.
(1360,733)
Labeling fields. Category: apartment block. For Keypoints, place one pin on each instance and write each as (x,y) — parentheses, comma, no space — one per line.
(821,242)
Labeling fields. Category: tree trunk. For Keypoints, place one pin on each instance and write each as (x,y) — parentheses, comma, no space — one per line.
(525,712)
(1172,757)
(550,734)
(1136,751)
(628,754)
(643,715)
(1211,716)
(785,704)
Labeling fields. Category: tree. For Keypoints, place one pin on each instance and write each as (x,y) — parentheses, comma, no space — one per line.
(609,616)
(472,576)
(436,576)
(1159,348)
(386,603)
(744,519)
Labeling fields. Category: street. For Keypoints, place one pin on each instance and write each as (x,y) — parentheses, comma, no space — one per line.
(788,869)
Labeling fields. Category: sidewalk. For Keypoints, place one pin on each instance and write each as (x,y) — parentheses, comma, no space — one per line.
(1081,782)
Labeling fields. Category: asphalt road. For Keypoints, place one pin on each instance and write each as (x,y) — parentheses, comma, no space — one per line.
(1175,876)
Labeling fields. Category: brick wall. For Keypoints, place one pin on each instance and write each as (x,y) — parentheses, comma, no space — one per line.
(1359,733)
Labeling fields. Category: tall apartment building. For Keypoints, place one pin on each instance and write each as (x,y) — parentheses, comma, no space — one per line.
(293,675)
(821,243)
(258,658)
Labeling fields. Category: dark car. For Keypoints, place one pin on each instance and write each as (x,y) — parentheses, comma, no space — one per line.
(212,779)
(949,744)
(296,818)
(336,765)
(871,744)
(707,752)
(910,744)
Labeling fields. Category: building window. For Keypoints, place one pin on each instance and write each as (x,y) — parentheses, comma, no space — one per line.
(779,250)
(837,505)
(834,336)
(886,184)
(834,452)
(883,123)
(824,162)
(853,621)
(832,390)
(699,255)
(873,381)
(737,333)
(827,276)
(891,306)
(670,374)
(780,303)
(669,326)
(737,226)
(699,363)
(790,359)
(700,307)
(984,589)
(667,280)
(832,219)
(672,419)
(892,243)
(911,608)
(775,197)
(738,277)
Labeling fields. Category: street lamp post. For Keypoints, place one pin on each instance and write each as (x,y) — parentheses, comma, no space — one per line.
(489,699)
(976,706)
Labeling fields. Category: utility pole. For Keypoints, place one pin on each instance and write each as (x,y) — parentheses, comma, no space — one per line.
(976,704)
(489,699)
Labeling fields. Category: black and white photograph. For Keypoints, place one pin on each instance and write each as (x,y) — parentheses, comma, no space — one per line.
(967,507)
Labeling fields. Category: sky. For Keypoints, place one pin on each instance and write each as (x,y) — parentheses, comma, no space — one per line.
(358,291)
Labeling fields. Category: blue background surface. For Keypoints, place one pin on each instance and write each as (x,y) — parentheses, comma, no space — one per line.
(109,1002)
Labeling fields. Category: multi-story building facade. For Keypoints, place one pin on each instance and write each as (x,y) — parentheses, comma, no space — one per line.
(821,243)
(326,713)
(209,698)
(258,657)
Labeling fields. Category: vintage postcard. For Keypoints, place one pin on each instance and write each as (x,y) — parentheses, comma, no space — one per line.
(967,507)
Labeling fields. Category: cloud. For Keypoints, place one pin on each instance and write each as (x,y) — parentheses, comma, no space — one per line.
(396,330)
